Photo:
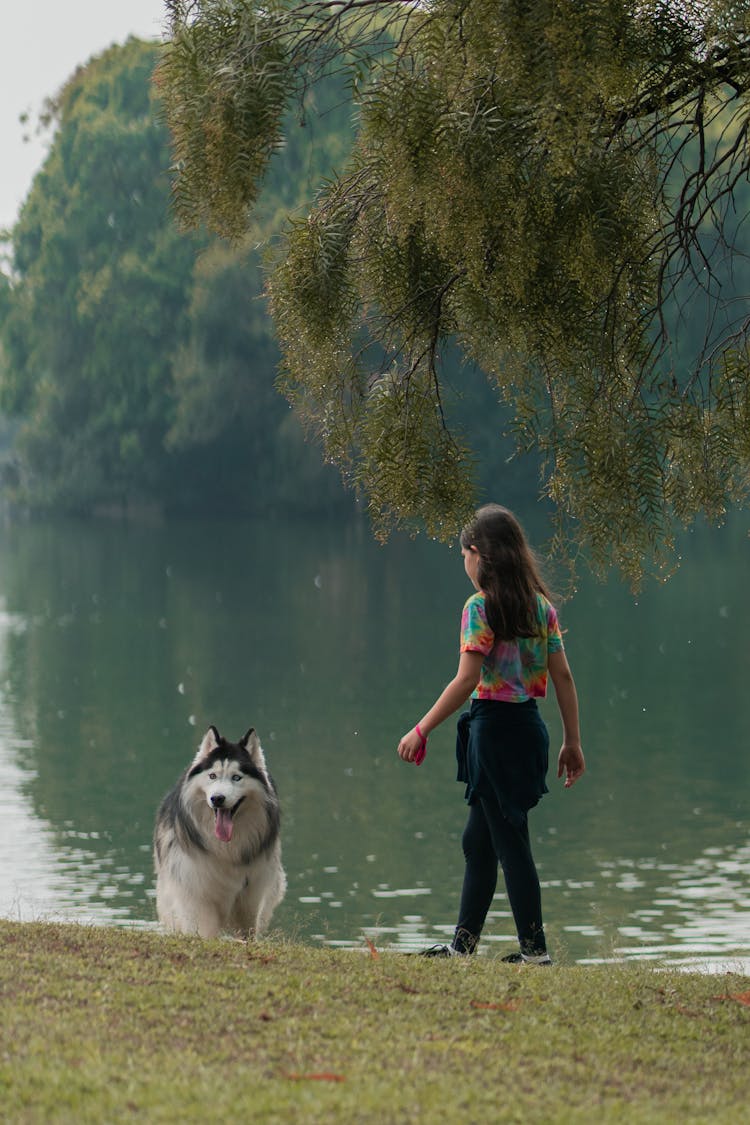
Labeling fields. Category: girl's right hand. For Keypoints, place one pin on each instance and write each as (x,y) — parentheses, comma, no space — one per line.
(410,746)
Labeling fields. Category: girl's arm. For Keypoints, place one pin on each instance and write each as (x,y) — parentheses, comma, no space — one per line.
(570,761)
(450,699)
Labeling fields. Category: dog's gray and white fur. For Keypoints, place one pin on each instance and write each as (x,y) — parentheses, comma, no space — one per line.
(217,849)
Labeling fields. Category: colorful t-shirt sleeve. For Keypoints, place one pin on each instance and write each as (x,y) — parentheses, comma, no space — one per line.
(554,636)
(476,635)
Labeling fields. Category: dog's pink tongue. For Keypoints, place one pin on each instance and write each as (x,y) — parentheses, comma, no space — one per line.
(223,826)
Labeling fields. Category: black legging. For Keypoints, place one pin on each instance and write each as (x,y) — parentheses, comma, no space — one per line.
(488,839)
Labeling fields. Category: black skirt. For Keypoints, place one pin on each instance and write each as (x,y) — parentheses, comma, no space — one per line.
(503,752)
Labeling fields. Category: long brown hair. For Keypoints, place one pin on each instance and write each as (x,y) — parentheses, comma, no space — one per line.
(508,573)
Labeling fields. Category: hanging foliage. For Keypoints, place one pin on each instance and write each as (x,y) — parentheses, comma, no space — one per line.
(553,187)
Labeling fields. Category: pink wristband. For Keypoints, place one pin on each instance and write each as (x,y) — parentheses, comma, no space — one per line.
(421,753)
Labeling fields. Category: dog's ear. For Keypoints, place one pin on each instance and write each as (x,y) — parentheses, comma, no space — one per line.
(251,743)
(211,739)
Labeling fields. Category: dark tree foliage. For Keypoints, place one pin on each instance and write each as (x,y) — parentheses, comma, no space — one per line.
(137,361)
(556,189)
(99,284)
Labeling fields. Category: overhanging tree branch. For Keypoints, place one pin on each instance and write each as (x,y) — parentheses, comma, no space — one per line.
(551,185)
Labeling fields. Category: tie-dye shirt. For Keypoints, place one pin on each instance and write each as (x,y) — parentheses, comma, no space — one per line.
(512,671)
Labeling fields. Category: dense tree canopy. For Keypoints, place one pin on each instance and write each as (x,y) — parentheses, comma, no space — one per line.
(138,361)
(100,282)
(552,188)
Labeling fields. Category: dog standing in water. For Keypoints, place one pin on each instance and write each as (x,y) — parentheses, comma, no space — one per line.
(217,846)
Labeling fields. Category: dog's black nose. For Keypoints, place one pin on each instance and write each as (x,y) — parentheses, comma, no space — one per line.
(217,800)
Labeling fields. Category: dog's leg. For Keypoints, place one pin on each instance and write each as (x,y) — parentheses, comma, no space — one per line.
(251,913)
(183,917)
(257,901)
(244,920)
(208,924)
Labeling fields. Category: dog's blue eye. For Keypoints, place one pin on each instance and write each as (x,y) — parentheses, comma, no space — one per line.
(236,777)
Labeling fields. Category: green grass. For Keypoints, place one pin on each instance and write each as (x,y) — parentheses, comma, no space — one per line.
(107,1025)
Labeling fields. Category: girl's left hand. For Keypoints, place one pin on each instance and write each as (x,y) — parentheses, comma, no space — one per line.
(571,763)
(409,746)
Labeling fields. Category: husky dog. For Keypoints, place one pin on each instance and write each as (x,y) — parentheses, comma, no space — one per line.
(217,851)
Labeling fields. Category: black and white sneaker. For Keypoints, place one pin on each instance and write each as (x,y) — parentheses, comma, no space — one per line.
(440,951)
(527,959)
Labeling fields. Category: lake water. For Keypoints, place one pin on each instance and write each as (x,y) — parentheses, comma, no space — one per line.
(120,644)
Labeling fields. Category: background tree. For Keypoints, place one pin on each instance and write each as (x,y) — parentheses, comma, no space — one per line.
(138,360)
(100,280)
(240,445)
(548,187)
(227,409)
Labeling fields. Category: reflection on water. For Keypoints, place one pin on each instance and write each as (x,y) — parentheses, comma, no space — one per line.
(42,878)
(118,646)
(55,874)
(693,915)
(699,912)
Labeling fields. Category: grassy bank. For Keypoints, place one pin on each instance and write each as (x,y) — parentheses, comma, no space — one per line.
(106,1025)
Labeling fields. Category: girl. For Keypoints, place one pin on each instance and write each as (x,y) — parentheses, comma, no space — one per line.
(510,641)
